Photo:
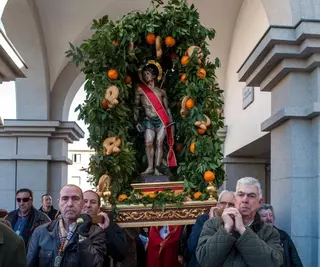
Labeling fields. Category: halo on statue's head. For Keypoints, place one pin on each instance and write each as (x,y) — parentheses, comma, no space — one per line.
(154,66)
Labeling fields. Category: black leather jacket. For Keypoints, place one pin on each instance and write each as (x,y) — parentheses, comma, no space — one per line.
(290,255)
(35,218)
(45,242)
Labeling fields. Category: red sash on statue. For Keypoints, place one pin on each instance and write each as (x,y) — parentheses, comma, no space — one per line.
(164,117)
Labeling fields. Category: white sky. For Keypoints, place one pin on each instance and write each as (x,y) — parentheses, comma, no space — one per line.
(73,116)
(8,100)
(8,109)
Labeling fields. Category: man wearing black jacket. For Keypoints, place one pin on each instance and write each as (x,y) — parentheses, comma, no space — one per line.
(290,256)
(47,207)
(26,218)
(115,236)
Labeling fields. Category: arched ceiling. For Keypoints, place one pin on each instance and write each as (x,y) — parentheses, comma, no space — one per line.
(69,21)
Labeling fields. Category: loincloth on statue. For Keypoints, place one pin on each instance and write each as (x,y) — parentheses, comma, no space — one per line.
(152,123)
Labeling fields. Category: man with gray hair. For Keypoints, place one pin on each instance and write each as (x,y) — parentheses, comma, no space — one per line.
(225,200)
(239,237)
(290,257)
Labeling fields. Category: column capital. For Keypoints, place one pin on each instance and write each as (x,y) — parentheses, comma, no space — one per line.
(69,131)
(280,51)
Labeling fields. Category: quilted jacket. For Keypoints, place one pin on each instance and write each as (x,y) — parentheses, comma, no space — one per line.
(258,246)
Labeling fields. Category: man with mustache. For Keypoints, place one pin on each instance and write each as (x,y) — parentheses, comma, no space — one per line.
(69,241)
(239,237)
(290,256)
(114,236)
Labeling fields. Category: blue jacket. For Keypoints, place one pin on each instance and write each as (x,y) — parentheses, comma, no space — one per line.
(193,240)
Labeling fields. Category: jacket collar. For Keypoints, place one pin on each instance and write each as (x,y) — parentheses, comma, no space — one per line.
(257,223)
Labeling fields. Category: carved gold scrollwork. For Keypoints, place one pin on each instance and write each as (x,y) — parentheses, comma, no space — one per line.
(177,214)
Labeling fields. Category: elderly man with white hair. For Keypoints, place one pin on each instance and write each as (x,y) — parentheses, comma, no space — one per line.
(239,237)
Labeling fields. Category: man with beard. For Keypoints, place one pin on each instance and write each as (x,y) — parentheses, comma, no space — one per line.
(239,237)
(290,256)
(26,218)
(114,236)
(69,241)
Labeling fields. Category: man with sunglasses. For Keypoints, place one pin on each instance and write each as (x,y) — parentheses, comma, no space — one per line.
(225,200)
(26,218)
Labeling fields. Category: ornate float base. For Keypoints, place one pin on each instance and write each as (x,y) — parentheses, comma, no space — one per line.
(144,216)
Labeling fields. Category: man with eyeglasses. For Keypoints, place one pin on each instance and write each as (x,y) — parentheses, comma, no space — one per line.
(239,237)
(291,256)
(69,241)
(225,200)
(26,218)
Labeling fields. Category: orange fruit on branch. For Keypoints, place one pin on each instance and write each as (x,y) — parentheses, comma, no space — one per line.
(201,131)
(209,176)
(122,197)
(127,79)
(201,73)
(152,195)
(196,195)
(115,43)
(192,147)
(113,74)
(185,60)
(189,103)
(151,38)
(170,41)
(183,77)
(104,104)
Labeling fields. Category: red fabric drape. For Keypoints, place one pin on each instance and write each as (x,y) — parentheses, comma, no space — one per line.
(163,252)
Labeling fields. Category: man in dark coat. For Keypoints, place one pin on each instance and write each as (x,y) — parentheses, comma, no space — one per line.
(290,257)
(47,207)
(26,218)
(239,237)
(225,200)
(69,241)
(12,249)
(114,236)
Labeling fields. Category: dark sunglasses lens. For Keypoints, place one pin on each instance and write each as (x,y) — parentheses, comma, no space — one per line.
(25,199)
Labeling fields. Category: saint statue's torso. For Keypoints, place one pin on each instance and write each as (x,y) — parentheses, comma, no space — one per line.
(148,108)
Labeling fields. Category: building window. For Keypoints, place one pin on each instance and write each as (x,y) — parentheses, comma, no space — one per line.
(76,158)
(76,180)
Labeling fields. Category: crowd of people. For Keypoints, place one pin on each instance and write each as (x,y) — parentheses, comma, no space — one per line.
(239,231)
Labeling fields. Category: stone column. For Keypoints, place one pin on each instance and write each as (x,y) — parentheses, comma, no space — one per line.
(286,62)
(238,167)
(33,154)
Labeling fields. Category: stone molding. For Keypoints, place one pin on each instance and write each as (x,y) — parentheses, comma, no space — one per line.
(307,112)
(11,63)
(222,133)
(69,131)
(282,50)
(245,160)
